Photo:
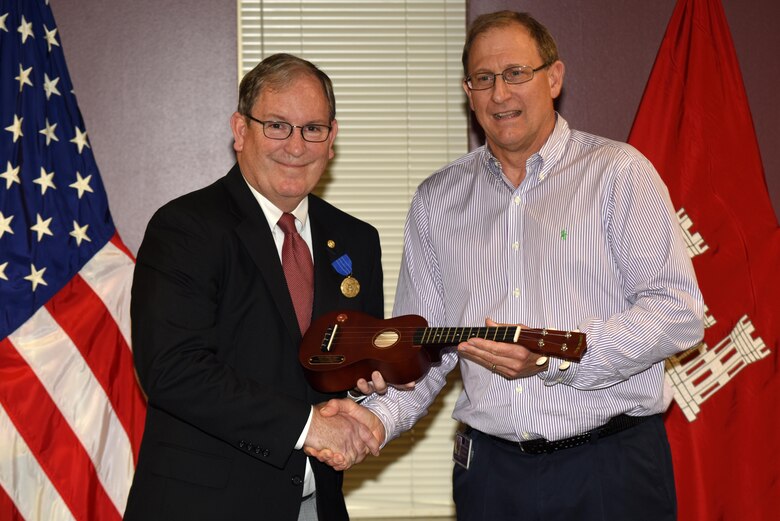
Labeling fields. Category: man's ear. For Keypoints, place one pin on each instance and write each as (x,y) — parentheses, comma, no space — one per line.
(555,75)
(334,129)
(238,125)
(468,94)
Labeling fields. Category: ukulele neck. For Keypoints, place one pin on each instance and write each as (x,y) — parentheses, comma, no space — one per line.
(569,345)
(437,336)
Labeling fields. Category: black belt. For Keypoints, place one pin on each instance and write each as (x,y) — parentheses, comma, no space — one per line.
(542,446)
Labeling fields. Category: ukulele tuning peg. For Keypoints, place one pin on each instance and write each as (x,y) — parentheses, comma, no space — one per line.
(564,365)
(541,361)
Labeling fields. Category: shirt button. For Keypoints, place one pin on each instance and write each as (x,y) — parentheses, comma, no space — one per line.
(516,293)
(516,245)
(519,389)
(517,200)
(525,435)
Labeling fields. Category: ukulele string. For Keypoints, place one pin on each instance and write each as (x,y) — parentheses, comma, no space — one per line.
(363,334)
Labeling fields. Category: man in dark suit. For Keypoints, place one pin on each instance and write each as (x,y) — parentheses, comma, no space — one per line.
(216,330)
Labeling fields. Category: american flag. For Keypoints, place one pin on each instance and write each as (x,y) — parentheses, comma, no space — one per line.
(71,412)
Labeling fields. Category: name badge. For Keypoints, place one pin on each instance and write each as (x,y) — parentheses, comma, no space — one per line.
(461,453)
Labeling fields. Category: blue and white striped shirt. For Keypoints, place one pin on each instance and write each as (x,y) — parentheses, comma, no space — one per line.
(589,240)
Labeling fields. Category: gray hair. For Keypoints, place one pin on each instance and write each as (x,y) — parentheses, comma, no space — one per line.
(279,70)
(545,44)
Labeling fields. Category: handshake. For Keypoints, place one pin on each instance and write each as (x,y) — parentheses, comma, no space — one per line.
(342,432)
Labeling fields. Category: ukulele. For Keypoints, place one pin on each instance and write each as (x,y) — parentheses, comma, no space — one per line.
(341,347)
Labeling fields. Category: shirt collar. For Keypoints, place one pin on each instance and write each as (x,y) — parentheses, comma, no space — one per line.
(553,149)
(273,214)
(541,163)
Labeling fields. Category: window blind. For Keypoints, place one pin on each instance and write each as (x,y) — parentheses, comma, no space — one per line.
(396,71)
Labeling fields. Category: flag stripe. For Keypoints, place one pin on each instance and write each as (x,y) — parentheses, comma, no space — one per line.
(34,497)
(35,491)
(110,274)
(51,440)
(113,368)
(116,240)
(8,510)
(81,400)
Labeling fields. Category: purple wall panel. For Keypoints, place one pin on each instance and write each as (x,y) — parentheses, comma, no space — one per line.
(156,84)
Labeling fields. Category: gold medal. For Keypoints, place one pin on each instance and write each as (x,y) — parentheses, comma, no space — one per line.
(350,287)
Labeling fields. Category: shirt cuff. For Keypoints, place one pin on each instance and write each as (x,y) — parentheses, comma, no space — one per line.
(384,416)
(302,438)
(355,397)
(558,372)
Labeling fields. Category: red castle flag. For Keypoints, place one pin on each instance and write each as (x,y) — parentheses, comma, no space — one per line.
(694,124)
(71,411)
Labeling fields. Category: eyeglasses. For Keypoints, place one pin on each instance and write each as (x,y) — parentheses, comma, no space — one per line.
(511,76)
(282,130)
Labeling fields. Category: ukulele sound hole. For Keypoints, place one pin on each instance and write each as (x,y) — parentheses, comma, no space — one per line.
(385,339)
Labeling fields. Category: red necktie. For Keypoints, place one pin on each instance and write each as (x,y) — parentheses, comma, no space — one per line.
(298,270)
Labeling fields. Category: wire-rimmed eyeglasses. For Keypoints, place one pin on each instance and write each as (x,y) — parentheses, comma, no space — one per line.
(511,75)
(282,130)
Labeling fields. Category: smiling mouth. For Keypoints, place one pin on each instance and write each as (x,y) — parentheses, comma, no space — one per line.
(291,165)
(507,115)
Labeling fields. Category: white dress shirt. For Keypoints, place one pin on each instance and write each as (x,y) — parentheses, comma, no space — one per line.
(272,215)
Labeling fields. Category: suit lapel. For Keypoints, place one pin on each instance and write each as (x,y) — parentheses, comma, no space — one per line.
(254,233)
(327,281)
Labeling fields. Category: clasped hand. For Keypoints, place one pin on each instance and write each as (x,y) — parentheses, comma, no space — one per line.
(343,432)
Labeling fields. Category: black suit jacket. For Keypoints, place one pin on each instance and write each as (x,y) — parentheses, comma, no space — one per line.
(215,342)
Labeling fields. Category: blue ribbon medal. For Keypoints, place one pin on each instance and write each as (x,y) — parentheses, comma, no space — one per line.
(350,287)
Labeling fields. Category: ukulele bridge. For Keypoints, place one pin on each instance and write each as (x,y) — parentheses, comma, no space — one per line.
(326,359)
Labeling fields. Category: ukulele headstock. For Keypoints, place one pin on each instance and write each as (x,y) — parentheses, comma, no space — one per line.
(568,345)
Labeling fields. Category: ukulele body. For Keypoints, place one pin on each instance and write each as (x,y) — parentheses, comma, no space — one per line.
(341,347)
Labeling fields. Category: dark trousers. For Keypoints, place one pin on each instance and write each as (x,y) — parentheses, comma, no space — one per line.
(623,477)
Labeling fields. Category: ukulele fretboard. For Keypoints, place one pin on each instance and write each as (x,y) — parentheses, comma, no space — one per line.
(455,335)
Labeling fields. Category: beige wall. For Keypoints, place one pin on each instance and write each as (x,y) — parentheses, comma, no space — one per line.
(156,83)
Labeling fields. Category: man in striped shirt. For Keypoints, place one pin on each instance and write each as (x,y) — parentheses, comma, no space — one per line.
(547,227)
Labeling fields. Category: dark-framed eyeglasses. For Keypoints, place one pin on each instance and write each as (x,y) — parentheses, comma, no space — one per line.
(282,130)
(511,76)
